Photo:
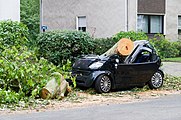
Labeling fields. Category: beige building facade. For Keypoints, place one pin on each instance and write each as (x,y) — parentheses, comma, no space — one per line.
(10,10)
(102,18)
(173,19)
(105,18)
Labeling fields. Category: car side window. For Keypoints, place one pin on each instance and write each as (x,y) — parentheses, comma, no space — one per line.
(143,56)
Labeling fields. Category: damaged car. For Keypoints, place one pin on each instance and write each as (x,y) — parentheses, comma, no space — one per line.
(107,72)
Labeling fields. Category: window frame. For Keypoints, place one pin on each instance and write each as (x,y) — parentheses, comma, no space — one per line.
(179,33)
(84,29)
(149,23)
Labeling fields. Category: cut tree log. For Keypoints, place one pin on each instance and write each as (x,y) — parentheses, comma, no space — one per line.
(123,47)
(56,87)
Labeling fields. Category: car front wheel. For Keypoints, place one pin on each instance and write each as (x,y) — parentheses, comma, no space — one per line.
(103,84)
(156,80)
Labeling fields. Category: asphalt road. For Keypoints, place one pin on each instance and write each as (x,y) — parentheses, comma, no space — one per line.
(164,108)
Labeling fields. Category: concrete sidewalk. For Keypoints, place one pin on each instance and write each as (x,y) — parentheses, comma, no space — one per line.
(172,68)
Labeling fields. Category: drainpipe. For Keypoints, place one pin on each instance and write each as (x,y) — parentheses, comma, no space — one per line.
(126,15)
(41,15)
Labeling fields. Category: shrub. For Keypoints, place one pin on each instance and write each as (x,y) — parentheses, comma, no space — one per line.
(30,16)
(101,45)
(58,46)
(13,34)
(23,73)
(178,45)
(164,47)
(131,35)
(8,97)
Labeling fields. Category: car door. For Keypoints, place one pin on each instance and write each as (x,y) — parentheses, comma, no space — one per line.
(139,69)
(125,74)
(135,73)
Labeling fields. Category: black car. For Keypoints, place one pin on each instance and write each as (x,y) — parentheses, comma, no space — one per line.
(141,67)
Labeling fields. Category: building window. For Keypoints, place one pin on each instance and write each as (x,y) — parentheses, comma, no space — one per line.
(81,23)
(179,25)
(150,24)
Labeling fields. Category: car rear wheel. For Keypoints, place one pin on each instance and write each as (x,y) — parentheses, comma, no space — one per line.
(156,81)
(103,84)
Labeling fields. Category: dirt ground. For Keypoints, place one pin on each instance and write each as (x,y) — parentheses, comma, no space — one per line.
(84,100)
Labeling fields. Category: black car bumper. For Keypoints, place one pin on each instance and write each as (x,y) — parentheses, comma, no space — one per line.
(83,78)
(86,78)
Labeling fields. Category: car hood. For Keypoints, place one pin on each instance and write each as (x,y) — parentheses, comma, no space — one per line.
(86,61)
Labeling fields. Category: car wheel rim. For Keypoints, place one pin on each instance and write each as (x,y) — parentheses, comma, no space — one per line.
(105,84)
(157,80)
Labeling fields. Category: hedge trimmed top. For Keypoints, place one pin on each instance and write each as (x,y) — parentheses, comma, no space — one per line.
(58,46)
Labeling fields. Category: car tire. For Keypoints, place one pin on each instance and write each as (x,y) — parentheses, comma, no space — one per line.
(103,84)
(156,80)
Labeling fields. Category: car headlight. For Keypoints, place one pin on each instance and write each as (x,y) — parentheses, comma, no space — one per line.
(96,65)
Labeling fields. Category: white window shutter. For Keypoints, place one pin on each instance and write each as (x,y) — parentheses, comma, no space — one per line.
(82,21)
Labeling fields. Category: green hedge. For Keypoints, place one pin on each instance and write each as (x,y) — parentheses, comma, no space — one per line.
(131,35)
(58,46)
(178,45)
(164,47)
(13,34)
(101,45)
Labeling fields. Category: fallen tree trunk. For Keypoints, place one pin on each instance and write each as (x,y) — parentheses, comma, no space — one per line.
(123,47)
(56,87)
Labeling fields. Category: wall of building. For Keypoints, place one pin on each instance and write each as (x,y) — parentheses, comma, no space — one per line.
(173,10)
(10,9)
(132,13)
(104,17)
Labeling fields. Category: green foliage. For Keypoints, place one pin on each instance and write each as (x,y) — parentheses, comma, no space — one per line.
(66,71)
(12,34)
(164,47)
(58,46)
(104,44)
(131,35)
(30,16)
(101,45)
(8,97)
(172,83)
(23,73)
(178,46)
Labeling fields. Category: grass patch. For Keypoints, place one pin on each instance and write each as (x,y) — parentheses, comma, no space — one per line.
(177,59)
